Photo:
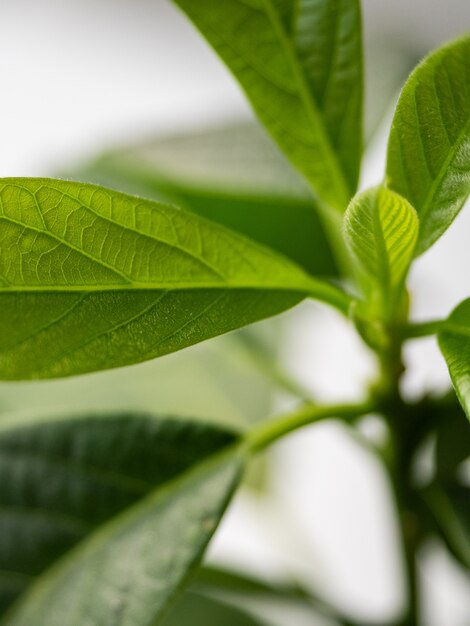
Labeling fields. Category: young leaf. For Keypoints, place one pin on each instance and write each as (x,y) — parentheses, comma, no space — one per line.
(381,229)
(454,342)
(429,149)
(300,65)
(92,279)
(119,507)
(233,175)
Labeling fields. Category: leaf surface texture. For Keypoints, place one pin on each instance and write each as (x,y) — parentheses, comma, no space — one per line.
(103,517)
(429,149)
(92,279)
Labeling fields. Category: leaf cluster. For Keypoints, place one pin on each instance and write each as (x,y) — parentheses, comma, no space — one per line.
(104,518)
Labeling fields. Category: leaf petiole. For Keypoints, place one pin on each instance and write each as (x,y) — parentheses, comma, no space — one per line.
(423,329)
(269,432)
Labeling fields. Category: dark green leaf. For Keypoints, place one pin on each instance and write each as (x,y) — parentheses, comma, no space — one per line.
(119,507)
(452,441)
(300,65)
(429,149)
(92,279)
(448,496)
(381,229)
(233,175)
(449,505)
(454,342)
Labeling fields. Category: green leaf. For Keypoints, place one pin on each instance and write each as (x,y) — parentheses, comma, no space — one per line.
(92,279)
(429,149)
(449,504)
(120,507)
(448,497)
(381,229)
(300,65)
(233,175)
(452,441)
(195,609)
(454,342)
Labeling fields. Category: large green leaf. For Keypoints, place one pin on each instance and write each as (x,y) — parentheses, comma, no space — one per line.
(429,149)
(232,174)
(300,65)
(92,279)
(381,229)
(116,509)
(454,342)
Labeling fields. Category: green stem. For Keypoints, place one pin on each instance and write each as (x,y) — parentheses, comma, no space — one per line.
(410,528)
(330,294)
(403,443)
(423,329)
(276,428)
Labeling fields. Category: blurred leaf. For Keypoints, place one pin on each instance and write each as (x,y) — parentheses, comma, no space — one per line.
(449,505)
(211,577)
(452,442)
(381,229)
(233,175)
(120,506)
(247,589)
(454,342)
(448,497)
(388,64)
(429,149)
(301,69)
(93,279)
(198,610)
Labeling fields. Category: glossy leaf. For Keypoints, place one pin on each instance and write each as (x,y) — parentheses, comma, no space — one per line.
(381,229)
(233,175)
(429,149)
(120,507)
(454,342)
(92,279)
(300,65)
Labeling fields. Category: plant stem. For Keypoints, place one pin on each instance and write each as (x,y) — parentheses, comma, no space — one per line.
(423,329)
(274,429)
(410,533)
(404,428)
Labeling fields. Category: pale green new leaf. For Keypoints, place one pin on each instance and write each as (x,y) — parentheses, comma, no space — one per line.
(454,342)
(300,65)
(381,229)
(92,279)
(103,518)
(429,149)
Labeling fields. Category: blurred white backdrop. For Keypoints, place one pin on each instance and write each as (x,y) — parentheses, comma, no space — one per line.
(80,76)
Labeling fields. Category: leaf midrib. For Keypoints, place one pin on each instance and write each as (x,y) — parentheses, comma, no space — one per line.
(335,169)
(383,254)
